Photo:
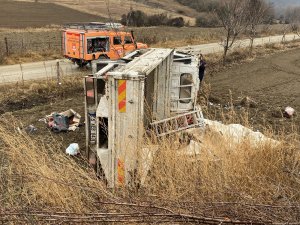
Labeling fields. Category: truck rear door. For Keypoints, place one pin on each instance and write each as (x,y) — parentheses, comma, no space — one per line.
(72,44)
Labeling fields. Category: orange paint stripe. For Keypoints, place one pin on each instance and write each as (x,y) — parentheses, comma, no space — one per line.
(122,104)
(121,172)
(122,87)
(122,95)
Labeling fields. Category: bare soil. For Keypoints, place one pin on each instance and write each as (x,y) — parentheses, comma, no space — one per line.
(272,82)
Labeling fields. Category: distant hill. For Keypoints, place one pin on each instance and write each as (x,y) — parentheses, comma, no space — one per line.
(115,8)
(285,3)
(22,14)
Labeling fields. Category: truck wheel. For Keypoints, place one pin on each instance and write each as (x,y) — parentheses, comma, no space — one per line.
(81,64)
(102,57)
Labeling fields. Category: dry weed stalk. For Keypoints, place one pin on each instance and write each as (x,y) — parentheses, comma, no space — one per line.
(224,171)
(234,180)
(38,174)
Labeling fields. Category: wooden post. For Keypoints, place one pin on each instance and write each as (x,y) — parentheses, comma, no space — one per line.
(6,46)
(22,73)
(58,73)
(22,45)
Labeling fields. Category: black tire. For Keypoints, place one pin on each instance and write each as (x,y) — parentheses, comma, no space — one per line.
(81,64)
(102,57)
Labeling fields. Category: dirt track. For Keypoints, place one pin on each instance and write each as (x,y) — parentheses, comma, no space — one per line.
(272,81)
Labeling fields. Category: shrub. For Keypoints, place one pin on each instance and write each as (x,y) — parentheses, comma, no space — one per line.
(207,21)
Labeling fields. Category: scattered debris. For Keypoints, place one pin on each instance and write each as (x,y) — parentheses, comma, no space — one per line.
(19,130)
(65,121)
(58,122)
(74,119)
(289,112)
(30,129)
(238,133)
(44,120)
(73,149)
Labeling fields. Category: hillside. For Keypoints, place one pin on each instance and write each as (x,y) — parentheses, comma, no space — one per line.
(115,8)
(28,14)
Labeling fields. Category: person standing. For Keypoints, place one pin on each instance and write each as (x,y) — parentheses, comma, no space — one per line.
(202,67)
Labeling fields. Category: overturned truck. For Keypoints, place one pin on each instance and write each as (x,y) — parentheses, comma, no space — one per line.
(148,91)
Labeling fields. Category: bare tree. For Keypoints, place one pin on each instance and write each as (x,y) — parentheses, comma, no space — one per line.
(232,15)
(285,29)
(293,18)
(257,12)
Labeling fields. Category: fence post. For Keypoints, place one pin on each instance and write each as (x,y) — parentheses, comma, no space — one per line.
(22,45)
(58,73)
(6,46)
(21,67)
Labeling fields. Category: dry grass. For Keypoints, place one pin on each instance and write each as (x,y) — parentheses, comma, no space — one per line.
(38,175)
(30,93)
(223,173)
(243,54)
(31,56)
(222,179)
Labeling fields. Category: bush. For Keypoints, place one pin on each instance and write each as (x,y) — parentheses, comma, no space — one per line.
(176,22)
(207,21)
(135,18)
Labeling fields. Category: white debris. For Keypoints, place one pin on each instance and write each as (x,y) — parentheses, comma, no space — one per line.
(73,149)
(289,111)
(238,133)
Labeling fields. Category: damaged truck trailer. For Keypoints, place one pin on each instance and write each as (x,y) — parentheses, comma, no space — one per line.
(148,91)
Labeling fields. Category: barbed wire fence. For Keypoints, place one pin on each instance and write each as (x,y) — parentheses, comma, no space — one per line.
(10,46)
(22,46)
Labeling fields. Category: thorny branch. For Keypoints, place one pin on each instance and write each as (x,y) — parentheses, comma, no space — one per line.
(146,213)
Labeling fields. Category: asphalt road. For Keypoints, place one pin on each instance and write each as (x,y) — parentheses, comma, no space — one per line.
(36,70)
(49,69)
(217,47)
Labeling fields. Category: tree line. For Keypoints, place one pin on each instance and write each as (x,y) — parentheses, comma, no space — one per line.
(137,18)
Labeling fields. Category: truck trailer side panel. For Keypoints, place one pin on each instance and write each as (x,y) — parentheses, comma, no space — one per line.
(126,127)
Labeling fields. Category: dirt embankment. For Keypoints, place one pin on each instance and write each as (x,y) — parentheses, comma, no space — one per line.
(273,82)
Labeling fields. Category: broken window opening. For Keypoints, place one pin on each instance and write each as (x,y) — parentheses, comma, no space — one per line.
(186,83)
(100,89)
(90,91)
(103,133)
(128,40)
(117,41)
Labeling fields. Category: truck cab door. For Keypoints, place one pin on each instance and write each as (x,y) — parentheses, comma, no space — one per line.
(117,47)
(129,43)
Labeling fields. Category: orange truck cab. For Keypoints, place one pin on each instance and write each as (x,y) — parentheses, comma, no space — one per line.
(85,42)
